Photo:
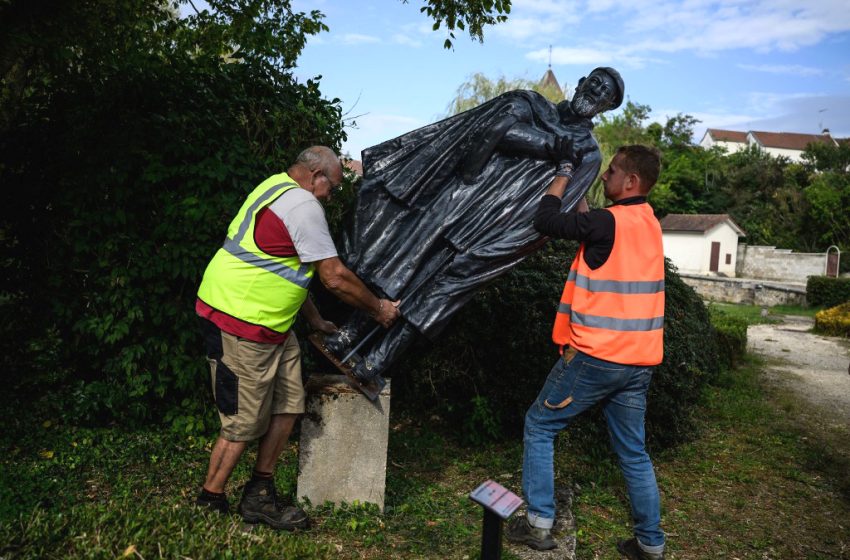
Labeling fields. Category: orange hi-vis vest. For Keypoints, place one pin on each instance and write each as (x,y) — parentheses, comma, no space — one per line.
(616,312)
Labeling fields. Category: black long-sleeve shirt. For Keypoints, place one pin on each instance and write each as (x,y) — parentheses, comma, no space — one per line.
(594,228)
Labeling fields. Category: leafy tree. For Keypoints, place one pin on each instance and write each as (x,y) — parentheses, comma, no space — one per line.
(688,172)
(625,127)
(478,88)
(763,195)
(683,185)
(129,137)
(828,192)
(678,132)
(821,156)
(463,14)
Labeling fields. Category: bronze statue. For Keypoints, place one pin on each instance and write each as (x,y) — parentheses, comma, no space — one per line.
(448,207)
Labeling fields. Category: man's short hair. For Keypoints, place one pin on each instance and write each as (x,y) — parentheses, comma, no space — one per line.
(644,161)
(319,157)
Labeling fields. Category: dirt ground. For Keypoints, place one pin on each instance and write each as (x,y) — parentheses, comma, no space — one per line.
(817,368)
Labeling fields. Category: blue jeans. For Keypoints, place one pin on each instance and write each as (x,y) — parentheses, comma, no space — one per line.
(570,389)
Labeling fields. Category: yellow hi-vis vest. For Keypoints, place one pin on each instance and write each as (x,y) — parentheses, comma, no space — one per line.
(249,284)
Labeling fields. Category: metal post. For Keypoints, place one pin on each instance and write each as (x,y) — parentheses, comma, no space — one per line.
(491,536)
(498,503)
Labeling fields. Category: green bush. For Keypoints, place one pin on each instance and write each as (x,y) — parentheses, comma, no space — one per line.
(125,153)
(731,335)
(823,291)
(498,351)
(834,321)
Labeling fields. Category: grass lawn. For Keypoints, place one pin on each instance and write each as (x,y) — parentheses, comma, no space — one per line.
(755,484)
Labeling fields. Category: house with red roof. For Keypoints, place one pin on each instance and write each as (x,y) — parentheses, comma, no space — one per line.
(730,140)
(777,144)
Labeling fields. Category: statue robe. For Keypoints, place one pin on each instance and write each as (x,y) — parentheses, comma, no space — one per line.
(447,207)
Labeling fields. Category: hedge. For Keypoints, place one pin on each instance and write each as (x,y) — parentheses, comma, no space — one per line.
(487,367)
(823,291)
(123,162)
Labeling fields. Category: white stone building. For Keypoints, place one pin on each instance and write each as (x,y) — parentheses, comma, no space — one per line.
(701,243)
(730,140)
(787,144)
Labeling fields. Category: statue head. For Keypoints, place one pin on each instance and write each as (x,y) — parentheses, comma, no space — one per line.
(602,90)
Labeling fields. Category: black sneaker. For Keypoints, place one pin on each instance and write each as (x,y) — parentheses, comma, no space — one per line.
(632,550)
(216,503)
(519,531)
(259,504)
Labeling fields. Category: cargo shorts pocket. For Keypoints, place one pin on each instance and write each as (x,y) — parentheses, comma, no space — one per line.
(226,389)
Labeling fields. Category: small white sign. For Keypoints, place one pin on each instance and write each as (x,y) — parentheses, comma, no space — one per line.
(496,498)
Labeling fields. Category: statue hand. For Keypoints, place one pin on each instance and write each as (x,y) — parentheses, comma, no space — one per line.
(562,149)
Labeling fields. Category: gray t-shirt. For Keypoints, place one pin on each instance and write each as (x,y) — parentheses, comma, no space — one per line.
(304,218)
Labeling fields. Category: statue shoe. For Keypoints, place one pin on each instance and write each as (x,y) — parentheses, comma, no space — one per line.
(370,381)
(338,343)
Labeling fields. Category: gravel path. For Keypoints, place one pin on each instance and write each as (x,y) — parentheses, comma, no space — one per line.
(816,367)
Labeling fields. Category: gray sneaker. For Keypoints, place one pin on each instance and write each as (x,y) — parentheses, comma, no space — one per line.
(259,504)
(632,550)
(519,531)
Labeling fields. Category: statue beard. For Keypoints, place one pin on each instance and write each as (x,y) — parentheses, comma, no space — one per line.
(584,107)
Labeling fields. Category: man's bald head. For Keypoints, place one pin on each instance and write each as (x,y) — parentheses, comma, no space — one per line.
(321,158)
(317,170)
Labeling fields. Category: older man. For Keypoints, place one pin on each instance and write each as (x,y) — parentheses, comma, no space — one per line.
(249,297)
(448,207)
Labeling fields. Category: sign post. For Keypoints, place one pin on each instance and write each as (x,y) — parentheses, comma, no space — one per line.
(498,503)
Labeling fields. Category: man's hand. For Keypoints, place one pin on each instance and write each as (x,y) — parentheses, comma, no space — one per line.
(324,326)
(315,319)
(387,312)
(565,169)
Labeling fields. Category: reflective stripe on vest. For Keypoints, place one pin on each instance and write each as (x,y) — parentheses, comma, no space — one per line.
(616,312)
(243,281)
(298,277)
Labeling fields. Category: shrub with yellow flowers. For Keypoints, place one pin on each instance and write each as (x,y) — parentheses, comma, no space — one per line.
(834,321)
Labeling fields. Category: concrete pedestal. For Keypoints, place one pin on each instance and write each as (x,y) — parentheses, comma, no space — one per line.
(343,449)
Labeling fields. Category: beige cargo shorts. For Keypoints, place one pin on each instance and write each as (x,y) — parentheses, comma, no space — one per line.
(251,381)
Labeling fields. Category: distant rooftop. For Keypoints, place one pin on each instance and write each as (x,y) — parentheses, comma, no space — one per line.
(549,80)
(354,165)
(789,140)
(783,140)
(697,222)
(727,135)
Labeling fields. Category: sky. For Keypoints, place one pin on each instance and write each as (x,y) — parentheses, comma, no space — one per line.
(736,64)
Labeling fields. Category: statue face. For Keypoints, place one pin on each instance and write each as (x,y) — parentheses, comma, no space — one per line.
(594,95)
